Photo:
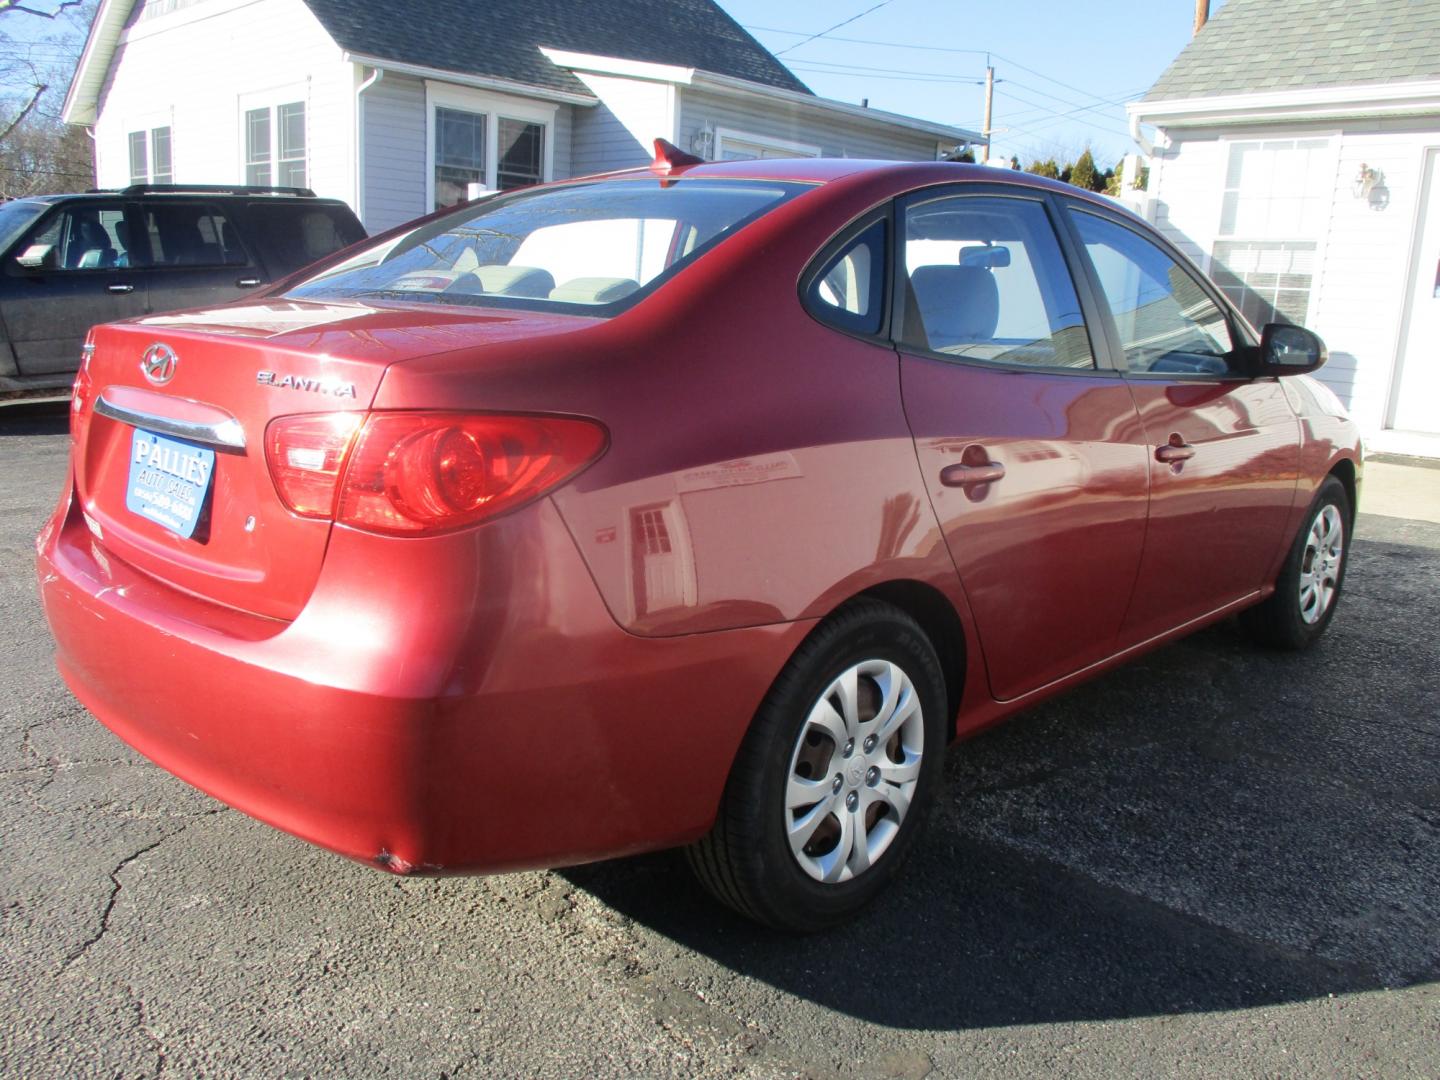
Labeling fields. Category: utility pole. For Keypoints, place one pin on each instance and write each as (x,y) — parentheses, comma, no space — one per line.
(1202,15)
(989,103)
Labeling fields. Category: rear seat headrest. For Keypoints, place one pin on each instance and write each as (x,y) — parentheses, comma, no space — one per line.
(528,281)
(594,290)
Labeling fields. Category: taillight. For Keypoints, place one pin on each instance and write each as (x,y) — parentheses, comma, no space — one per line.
(80,393)
(306,455)
(413,473)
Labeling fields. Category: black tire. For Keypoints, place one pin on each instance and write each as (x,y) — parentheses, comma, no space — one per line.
(746,861)
(1278,621)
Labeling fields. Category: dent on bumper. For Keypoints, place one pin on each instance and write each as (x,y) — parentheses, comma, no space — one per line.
(462,704)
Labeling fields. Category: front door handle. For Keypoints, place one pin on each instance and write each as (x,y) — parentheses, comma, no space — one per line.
(1176,450)
(971,475)
(248,282)
(120,287)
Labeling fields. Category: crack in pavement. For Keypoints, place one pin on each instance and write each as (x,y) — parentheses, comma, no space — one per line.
(115,887)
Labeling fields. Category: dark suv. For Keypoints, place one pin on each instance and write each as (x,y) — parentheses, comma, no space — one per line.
(71,261)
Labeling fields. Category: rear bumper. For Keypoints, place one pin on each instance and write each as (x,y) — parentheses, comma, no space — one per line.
(461,704)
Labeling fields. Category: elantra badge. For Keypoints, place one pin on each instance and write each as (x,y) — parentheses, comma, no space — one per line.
(158,364)
(304,382)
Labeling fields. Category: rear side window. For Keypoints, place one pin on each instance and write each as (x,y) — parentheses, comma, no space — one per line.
(191,234)
(292,235)
(848,289)
(987,282)
(592,247)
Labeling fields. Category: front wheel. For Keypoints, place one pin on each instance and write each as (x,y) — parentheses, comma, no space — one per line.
(835,775)
(1308,588)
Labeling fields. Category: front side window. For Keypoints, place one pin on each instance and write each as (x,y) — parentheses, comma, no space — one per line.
(1166,321)
(848,289)
(275,145)
(596,247)
(987,282)
(79,238)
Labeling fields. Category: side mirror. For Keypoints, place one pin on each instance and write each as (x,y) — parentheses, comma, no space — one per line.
(1290,350)
(37,257)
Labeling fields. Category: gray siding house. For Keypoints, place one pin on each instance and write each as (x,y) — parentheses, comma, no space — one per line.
(401,108)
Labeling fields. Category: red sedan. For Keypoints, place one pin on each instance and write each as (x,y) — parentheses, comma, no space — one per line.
(700,505)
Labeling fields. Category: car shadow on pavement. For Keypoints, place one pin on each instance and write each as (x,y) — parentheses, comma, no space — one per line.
(1212,827)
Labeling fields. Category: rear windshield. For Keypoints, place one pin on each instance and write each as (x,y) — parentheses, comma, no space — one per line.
(593,247)
(291,235)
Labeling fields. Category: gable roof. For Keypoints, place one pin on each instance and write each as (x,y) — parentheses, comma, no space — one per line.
(502,38)
(1254,46)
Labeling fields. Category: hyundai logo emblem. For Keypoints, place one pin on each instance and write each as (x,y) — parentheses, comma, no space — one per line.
(158,364)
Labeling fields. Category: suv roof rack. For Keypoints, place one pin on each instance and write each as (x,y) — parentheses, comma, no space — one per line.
(215,189)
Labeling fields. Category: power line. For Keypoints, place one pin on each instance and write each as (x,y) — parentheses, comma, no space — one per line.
(837,26)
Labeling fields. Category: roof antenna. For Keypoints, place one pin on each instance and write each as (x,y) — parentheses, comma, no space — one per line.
(669,157)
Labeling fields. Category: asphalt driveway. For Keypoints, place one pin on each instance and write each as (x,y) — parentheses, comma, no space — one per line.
(1217,861)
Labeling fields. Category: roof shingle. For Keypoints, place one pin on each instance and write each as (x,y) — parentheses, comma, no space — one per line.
(502,38)
(1258,45)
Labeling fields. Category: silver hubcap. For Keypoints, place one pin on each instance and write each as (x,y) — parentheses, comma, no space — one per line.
(854,771)
(1320,564)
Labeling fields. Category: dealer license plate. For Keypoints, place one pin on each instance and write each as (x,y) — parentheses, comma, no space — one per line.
(169,481)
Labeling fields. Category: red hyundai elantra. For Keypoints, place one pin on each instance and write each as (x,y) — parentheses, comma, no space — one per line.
(700,505)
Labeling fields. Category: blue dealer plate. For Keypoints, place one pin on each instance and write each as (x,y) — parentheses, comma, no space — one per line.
(169,480)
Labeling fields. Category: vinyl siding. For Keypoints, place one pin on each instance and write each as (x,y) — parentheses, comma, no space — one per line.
(837,136)
(1361,277)
(619,132)
(195,68)
(393,114)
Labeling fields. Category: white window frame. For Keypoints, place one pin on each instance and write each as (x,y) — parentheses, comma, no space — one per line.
(492,106)
(766,142)
(147,126)
(272,100)
(1331,163)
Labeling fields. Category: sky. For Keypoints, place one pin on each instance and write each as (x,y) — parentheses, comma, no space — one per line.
(1063,70)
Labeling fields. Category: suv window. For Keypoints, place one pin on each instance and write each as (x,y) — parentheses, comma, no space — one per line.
(191,234)
(848,291)
(987,282)
(79,237)
(1166,321)
(290,236)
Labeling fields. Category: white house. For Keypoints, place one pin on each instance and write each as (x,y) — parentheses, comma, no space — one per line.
(399,108)
(1296,160)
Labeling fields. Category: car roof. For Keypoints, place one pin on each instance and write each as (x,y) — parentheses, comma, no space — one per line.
(826,170)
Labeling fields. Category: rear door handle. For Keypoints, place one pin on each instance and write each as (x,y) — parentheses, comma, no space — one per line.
(970,475)
(120,287)
(248,282)
(1174,451)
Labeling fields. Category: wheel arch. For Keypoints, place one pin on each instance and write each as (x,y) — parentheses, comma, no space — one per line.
(1344,470)
(937,616)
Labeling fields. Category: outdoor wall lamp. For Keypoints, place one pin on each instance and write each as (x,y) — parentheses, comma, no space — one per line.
(1370,186)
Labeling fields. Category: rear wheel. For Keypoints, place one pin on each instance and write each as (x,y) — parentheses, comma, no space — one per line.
(835,775)
(1308,588)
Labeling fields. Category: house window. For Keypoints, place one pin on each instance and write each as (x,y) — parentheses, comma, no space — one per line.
(150,161)
(487,139)
(1277,193)
(275,145)
(522,153)
(459,155)
(742,146)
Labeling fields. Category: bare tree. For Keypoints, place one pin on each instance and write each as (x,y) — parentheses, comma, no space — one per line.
(37,151)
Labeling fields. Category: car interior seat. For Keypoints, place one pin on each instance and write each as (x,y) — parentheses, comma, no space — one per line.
(959,305)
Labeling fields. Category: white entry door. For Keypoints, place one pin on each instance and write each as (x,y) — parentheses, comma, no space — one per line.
(1417,398)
